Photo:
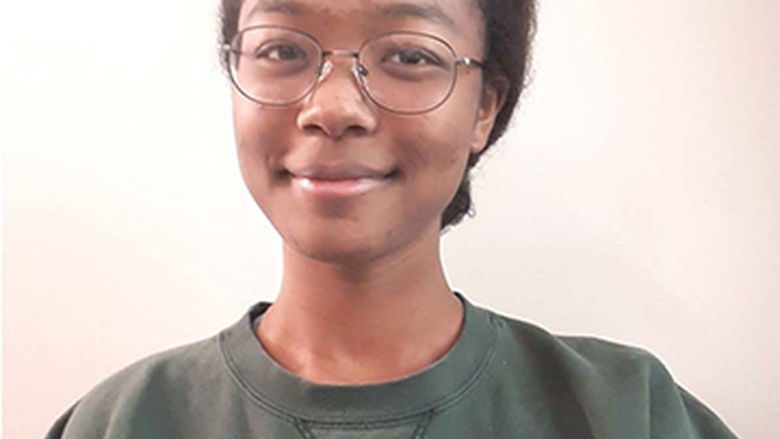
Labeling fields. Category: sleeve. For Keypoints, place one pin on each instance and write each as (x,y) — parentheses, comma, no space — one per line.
(57,430)
(676,413)
(705,424)
(145,398)
(631,393)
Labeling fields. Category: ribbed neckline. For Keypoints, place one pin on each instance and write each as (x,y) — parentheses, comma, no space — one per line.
(285,393)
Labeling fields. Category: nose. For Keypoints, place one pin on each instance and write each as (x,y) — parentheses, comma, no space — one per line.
(337,105)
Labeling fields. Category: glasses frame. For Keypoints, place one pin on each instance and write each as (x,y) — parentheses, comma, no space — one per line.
(358,69)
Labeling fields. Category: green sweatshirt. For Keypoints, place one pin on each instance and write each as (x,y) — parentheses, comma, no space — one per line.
(503,378)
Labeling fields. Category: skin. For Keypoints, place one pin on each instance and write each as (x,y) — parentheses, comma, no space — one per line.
(363,298)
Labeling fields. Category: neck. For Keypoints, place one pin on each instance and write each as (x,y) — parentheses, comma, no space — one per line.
(364,323)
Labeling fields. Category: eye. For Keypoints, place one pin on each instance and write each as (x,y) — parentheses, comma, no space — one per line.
(280,51)
(412,57)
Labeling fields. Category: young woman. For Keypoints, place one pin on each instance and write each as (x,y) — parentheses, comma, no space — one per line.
(356,124)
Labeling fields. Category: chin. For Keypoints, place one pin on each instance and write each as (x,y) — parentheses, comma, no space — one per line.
(338,254)
(334,246)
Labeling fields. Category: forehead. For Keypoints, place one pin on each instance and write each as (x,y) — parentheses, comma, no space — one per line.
(449,17)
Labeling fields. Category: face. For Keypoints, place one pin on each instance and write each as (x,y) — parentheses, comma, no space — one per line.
(341,179)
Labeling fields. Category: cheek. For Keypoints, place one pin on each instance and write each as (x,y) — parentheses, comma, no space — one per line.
(258,137)
(436,147)
(260,145)
(435,153)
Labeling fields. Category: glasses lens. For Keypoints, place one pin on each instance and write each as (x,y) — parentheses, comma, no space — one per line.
(274,66)
(408,72)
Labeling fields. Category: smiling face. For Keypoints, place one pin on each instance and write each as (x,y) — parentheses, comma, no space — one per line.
(341,179)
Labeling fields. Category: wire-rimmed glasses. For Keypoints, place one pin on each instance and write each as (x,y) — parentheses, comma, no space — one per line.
(403,71)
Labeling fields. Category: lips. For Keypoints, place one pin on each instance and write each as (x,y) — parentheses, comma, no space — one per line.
(336,172)
(338,180)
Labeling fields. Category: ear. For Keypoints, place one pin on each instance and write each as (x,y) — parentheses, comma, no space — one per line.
(492,100)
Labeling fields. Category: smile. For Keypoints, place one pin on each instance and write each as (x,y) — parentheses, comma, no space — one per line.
(338,179)
(338,187)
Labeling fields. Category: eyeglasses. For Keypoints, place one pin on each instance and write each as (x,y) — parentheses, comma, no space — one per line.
(403,72)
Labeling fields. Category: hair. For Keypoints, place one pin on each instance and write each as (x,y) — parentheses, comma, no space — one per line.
(508,31)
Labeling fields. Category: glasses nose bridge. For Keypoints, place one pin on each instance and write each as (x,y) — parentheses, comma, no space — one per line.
(341,52)
(326,67)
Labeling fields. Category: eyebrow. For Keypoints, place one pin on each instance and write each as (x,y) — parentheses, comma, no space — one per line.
(290,7)
(430,10)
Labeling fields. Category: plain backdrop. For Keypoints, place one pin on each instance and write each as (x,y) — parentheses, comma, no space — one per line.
(636,196)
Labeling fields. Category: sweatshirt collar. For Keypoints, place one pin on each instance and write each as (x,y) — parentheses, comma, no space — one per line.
(281,391)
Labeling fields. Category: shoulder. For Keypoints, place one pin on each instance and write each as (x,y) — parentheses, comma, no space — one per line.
(155,383)
(577,353)
(586,364)
(608,380)
(174,367)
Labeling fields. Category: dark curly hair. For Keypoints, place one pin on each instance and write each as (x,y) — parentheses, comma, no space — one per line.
(509,27)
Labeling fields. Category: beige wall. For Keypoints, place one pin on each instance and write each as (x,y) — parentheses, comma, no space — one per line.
(637,197)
